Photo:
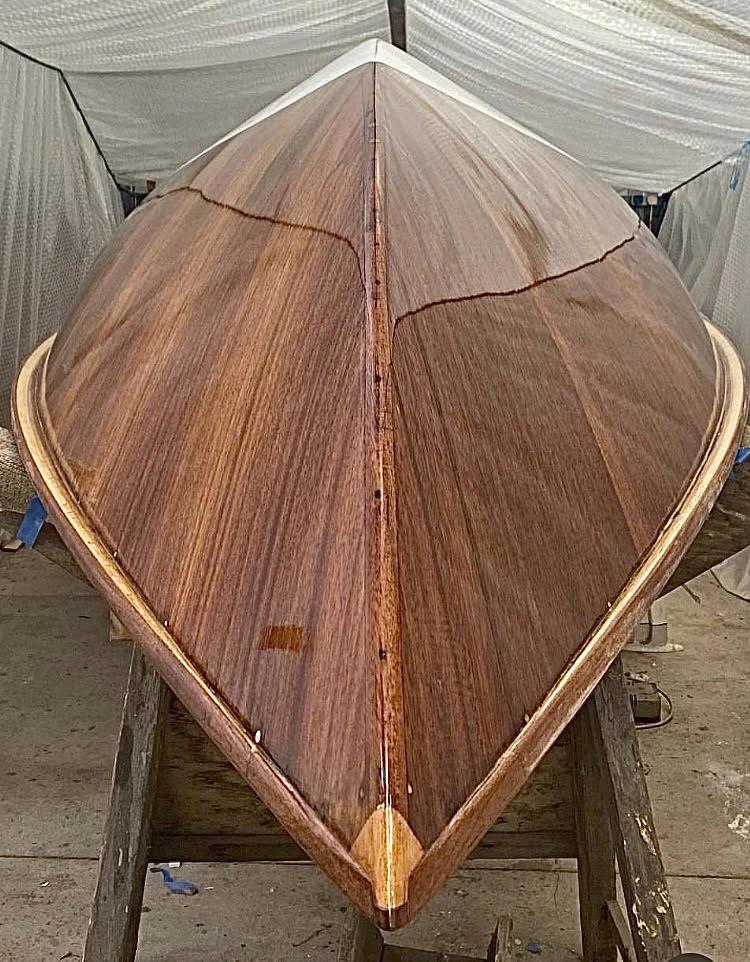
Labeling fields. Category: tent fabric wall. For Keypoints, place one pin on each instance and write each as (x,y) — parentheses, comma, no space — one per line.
(646,94)
(149,124)
(145,35)
(159,80)
(692,233)
(58,207)
(706,232)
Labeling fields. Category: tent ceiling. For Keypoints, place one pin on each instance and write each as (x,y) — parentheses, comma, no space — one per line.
(133,35)
(159,80)
(646,92)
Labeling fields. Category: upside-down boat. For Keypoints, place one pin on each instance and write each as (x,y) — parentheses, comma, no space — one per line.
(379,426)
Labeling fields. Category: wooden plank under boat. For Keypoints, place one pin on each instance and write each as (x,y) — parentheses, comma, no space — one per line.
(379,426)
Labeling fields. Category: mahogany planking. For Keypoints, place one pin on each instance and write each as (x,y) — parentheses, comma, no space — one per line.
(522,598)
(378,443)
(292,423)
(518,598)
(461,183)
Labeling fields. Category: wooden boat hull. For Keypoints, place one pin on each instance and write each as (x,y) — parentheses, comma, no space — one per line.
(381,507)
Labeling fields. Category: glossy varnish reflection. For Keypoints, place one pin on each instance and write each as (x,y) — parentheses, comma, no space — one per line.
(379,442)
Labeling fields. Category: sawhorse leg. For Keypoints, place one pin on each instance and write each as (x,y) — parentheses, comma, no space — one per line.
(362,941)
(113,928)
(614,822)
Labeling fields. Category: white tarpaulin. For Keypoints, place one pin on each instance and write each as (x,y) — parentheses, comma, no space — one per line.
(645,92)
(58,207)
(159,80)
(706,232)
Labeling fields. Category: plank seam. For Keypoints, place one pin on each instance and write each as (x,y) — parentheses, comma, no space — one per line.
(265,218)
(519,290)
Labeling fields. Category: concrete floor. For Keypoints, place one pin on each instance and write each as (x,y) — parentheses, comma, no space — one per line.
(61,685)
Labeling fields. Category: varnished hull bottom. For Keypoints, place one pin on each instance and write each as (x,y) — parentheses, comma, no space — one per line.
(422,871)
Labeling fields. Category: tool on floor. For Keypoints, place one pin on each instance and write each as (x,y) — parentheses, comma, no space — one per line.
(652,638)
(651,707)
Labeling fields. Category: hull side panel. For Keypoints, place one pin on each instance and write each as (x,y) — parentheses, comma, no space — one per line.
(239,382)
(473,206)
(505,568)
(590,660)
(510,554)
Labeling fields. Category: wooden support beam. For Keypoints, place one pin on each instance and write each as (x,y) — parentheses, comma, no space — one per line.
(501,944)
(360,941)
(501,949)
(113,928)
(117,630)
(401,953)
(614,743)
(621,931)
(597,883)
(397,17)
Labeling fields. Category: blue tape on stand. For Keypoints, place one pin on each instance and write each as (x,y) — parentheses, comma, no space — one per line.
(175,885)
(29,528)
(743,455)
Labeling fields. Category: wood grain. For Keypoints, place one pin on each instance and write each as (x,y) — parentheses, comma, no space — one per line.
(198,789)
(116,914)
(379,445)
(597,879)
(465,562)
(614,746)
(284,378)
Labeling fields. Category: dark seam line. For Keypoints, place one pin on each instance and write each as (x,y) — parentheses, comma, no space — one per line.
(424,307)
(518,290)
(267,219)
(58,70)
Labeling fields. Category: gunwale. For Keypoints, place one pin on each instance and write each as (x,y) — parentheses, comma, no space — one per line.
(515,764)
